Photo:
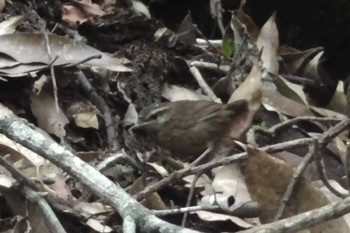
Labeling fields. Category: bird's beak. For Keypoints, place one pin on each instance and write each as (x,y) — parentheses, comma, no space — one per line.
(140,128)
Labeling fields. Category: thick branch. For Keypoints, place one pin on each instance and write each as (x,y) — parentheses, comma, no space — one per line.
(33,138)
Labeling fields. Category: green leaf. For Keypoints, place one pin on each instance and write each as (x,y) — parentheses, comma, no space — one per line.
(263,125)
(228,43)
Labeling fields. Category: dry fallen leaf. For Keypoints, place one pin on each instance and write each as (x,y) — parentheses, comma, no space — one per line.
(325,86)
(153,201)
(92,208)
(212,217)
(159,169)
(43,108)
(84,114)
(261,170)
(94,211)
(338,102)
(6,181)
(252,29)
(131,115)
(290,90)
(76,13)
(297,60)
(28,162)
(98,226)
(201,182)
(140,7)
(274,101)
(250,89)
(228,180)
(268,41)
(327,112)
(176,93)
(185,30)
(17,151)
(9,26)
(61,189)
(30,50)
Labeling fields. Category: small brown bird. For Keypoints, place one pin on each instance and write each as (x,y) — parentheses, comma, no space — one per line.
(187,128)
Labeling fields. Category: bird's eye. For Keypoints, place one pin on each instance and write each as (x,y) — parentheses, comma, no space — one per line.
(153,117)
(156,113)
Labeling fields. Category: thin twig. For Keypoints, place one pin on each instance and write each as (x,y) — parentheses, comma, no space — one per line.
(347,166)
(200,41)
(52,71)
(184,210)
(322,171)
(216,13)
(202,156)
(211,66)
(274,129)
(325,138)
(101,104)
(334,131)
(175,176)
(51,221)
(204,37)
(241,211)
(201,82)
(190,196)
(224,161)
(98,56)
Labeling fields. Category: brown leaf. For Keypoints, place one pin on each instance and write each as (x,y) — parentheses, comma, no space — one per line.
(327,113)
(76,13)
(213,217)
(252,29)
(268,41)
(273,100)
(9,26)
(267,179)
(185,32)
(84,114)
(98,225)
(228,180)
(61,189)
(250,90)
(338,102)
(153,201)
(43,108)
(29,48)
(290,90)
(176,93)
(140,7)
(297,60)
(323,90)
(93,208)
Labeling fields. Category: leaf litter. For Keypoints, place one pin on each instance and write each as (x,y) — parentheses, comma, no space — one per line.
(260,180)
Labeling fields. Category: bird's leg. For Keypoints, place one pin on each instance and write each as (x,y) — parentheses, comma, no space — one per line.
(209,149)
